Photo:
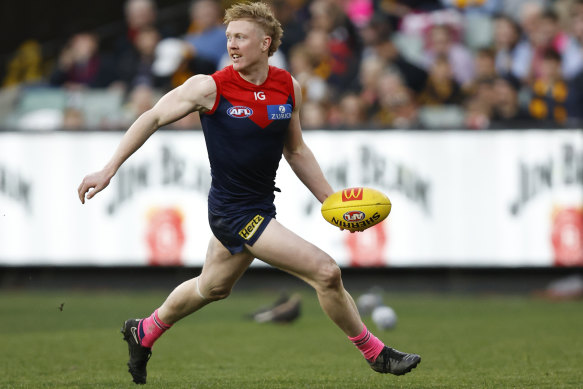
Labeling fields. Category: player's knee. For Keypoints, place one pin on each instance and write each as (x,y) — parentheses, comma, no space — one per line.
(218,293)
(329,275)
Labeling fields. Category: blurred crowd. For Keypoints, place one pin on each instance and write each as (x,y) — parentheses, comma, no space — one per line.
(473,64)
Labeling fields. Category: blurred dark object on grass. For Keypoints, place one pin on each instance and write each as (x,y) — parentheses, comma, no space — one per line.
(285,309)
(566,288)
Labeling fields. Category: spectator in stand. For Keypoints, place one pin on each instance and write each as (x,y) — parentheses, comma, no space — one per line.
(349,113)
(140,99)
(139,14)
(549,35)
(25,66)
(552,101)
(302,64)
(441,42)
(564,8)
(397,107)
(413,76)
(573,54)
(135,65)
(287,13)
(371,69)
(317,46)
(506,109)
(485,63)
(477,113)
(81,65)
(507,35)
(343,45)
(377,40)
(516,9)
(485,70)
(479,103)
(484,91)
(529,15)
(173,61)
(544,33)
(374,32)
(441,87)
(314,115)
(206,33)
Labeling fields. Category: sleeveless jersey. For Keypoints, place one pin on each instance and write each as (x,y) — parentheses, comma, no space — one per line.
(244,133)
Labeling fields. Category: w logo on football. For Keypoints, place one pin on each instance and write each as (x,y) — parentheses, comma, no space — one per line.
(352,194)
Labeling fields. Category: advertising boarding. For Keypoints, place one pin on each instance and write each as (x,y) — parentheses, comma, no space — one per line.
(460,198)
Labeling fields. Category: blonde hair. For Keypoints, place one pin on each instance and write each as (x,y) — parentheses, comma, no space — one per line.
(261,14)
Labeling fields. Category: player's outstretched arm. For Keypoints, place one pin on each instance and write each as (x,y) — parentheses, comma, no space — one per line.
(197,94)
(300,157)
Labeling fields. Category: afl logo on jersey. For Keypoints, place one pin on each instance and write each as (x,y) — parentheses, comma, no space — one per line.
(239,112)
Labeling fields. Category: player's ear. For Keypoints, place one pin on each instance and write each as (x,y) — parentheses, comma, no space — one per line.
(266,43)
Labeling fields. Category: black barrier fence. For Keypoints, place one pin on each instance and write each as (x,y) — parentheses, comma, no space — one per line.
(529,280)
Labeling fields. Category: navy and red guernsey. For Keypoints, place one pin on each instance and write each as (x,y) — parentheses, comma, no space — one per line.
(245,133)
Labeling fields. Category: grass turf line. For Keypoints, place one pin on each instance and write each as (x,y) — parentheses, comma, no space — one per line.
(465,342)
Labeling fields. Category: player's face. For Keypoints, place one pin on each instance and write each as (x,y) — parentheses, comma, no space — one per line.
(247,44)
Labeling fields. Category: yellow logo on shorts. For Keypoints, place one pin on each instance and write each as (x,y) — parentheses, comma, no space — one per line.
(247,232)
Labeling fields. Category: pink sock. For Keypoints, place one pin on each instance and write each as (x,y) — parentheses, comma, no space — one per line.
(151,328)
(368,344)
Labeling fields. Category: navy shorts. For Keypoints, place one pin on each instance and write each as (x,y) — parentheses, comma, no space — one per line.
(237,230)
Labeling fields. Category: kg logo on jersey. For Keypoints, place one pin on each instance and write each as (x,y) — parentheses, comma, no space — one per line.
(279,112)
(239,112)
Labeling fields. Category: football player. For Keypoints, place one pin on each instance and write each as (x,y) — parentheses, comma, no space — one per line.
(250,117)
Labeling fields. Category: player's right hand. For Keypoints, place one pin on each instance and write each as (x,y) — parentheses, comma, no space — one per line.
(93,184)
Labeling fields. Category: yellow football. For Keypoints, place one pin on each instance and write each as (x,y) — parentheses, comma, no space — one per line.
(356,209)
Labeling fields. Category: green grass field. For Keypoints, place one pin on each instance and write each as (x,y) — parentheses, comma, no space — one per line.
(465,342)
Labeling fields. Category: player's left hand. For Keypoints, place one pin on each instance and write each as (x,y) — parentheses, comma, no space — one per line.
(93,184)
